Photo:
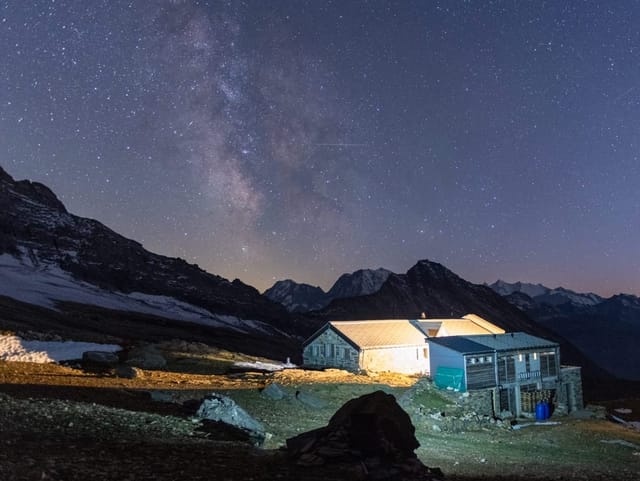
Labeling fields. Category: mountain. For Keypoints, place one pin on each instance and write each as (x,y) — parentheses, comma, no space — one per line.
(544,295)
(429,288)
(303,297)
(359,283)
(54,259)
(297,297)
(605,330)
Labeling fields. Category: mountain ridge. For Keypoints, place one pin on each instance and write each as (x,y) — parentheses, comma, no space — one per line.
(36,227)
(605,329)
(300,297)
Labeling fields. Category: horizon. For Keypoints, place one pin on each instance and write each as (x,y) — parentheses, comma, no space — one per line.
(327,287)
(303,139)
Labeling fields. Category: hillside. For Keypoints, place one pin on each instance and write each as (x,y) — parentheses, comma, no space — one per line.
(61,423)
(74,276)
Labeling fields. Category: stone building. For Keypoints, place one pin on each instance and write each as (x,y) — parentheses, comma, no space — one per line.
(394,345)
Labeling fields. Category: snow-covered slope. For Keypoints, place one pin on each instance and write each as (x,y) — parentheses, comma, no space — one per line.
(544,295)
(45,284)
(532,290)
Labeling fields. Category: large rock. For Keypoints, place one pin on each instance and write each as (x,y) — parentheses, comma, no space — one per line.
(371,435)
(217,407)
(99,361)
(274,391)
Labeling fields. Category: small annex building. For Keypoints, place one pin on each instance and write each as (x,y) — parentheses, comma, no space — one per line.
(390,345)
(520,368)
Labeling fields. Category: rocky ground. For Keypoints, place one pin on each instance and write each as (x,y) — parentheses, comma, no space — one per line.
(60,423)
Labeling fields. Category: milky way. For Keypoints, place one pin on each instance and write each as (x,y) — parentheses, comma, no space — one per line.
(303,139)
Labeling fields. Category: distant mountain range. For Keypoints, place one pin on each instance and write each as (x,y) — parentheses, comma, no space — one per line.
(544,295)
(606,330)
(304,297)
(73,276)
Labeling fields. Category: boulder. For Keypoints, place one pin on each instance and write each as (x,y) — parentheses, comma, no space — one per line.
(129,372)
(99,361)
(274,391)
(371,436)
(217,407)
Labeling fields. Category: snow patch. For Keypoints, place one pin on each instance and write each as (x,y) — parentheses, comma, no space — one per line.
(15,349)
(265,366)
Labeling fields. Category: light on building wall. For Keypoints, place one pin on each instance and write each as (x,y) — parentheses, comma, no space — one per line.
(520,357)
(535,356)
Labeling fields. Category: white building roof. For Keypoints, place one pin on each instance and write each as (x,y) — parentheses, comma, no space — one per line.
(381,333)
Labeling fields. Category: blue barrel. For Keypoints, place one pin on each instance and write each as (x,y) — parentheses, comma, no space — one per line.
(540,411)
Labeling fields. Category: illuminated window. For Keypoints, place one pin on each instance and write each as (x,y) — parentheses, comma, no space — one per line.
(535,356)
(520,358)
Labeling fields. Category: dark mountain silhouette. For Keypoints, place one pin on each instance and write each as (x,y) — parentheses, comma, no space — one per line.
(303,297)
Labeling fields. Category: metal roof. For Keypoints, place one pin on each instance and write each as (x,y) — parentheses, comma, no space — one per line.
(460,344)
(382,333)
(513,341)
(493,342)
(468,325)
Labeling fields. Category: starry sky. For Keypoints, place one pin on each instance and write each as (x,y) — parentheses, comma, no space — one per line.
(300,139)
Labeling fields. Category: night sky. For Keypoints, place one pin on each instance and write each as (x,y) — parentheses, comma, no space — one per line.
(303,139)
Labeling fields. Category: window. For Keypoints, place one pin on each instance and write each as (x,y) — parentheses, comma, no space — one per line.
(548,364)
(507,369)
(425,353)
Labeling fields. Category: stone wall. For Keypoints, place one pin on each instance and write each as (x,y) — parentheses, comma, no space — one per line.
(478,401)
(569,395)
(331,350)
